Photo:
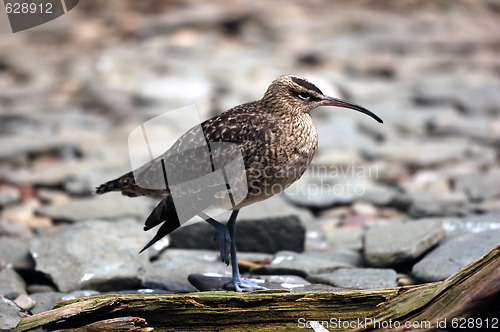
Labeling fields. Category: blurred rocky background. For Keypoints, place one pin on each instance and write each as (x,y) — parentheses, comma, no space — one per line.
(409,201)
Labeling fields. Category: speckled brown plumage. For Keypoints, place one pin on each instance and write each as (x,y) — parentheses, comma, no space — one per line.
(276,137)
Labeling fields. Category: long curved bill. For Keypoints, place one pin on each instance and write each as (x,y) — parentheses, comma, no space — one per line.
(330,101)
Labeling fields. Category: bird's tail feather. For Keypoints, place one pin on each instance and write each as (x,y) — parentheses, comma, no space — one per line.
(164,211)
(117,184)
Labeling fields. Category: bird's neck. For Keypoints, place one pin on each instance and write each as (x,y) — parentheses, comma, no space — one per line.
(279,110)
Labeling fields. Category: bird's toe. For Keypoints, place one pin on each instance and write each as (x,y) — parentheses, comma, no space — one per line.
(243,285)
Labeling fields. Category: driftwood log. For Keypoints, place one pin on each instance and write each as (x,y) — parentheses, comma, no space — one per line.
(471,292)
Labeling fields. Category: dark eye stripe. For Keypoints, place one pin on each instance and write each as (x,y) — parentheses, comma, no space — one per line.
(306,84)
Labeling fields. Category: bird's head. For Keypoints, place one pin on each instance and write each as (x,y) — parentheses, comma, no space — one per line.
(297,94)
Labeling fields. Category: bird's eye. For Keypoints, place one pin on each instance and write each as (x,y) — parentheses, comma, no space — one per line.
(304,95)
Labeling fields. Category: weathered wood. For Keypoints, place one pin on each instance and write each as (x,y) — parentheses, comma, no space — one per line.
(458,296)
(461,295)
(113,324)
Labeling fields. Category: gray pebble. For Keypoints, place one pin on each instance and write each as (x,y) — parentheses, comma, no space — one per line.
(11,284)
(170,272)
(96,254)
(436,204)
(364,278)
(452,255)
(9,314)
(24,302)
(396,243)
(14,252)
(9,195)
(45,301)
(111,206)
(288,262)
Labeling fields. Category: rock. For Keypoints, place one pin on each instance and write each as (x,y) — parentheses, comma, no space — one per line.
(79,186)
(114,101)
(263,227)
(276,207)
(21,145)
(381,195)
(12,229)
(480,186)
(45,301)
(483,97)
(9,195)
(389,171)
(40,288)
(10,314)
(170,89)
(421,152)
(436,93)
(357,220)
(455,124)
(288,262)
(454,254)
(14,244)
(216,283)
(345,237)
(490,206)
(23,215)
(333,215)
(111,206)
(286,281)
(372,91)
(472,224)
(52,197)
(170,272)
(366,278)
(342,132)
(14,252)
(88,173)
(24,302)
(340,156)
(80,293)
(11,284)
(315,239)
(431,204)
(267,236)
(406,280)
(322,188)
(111,262)
(364,208)
(254,257)
(402,242)
(427,181)
(404,117)
(207,283)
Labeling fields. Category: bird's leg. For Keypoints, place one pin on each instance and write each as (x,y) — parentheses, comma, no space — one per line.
(236,283)
(224,237)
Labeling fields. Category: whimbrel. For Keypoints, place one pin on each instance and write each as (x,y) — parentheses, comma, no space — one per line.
(276,139)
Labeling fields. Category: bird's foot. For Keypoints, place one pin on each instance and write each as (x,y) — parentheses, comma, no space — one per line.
(224,243)
(243,285)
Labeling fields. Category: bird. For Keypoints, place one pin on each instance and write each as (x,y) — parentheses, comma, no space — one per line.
(273,141)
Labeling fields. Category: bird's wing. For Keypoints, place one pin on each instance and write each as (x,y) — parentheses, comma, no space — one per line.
(206,148)
(204,168)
